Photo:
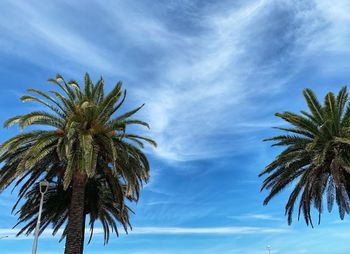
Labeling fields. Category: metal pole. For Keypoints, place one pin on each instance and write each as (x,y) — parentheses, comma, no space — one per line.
(269,249)
(44,184)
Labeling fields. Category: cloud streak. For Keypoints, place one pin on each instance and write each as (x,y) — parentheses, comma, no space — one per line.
(200,87)
(265,217)
(11,233)
(197,109)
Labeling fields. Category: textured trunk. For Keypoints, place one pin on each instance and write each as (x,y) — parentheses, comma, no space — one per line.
(75,230)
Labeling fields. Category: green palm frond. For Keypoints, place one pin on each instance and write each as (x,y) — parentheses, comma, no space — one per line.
(316,157)
(314,105)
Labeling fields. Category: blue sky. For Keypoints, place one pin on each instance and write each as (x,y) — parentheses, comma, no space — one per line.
(212,75)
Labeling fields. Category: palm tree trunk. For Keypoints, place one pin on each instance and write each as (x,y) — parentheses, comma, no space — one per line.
(75,230)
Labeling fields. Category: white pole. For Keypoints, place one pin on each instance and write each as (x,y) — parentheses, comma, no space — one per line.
(44,184)
(269,249)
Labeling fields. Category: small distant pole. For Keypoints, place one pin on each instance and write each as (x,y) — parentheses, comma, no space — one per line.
(268,249)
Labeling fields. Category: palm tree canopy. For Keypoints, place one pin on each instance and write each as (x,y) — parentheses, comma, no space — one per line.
(82,133)
(315,159)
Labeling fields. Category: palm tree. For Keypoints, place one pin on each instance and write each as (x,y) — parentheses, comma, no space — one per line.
(315,159)
(82,138)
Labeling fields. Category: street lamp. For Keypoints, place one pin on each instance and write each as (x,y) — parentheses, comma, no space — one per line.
(43,187)
(268,249)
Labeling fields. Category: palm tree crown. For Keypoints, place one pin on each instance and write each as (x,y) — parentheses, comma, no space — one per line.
(84,145)
(316,157)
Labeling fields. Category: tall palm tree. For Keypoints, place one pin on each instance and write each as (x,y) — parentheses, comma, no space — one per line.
(315,159)
(82,137)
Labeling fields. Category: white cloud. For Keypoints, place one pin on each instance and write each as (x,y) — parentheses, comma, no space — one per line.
(11,233)
(43,33)
(256,217)
(207,87)
(213,230)
(207,81)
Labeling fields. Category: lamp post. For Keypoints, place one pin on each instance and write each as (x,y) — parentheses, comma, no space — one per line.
(268,249)
(43,187)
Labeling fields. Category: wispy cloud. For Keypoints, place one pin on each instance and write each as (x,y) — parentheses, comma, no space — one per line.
(200,87)
(207,89)
(213,230)
(11,233)
(55,39)
(255,217)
